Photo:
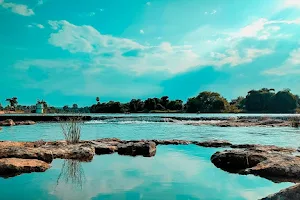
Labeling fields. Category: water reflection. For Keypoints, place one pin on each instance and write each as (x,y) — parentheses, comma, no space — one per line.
(71,172)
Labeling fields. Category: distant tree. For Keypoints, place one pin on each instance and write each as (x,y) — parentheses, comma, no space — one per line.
(66,108)
(207,102)
(259,100)
(12,102)
(284,101)
(136,105)
(175,105)
(150,104)
(164,101)
(239,102)
(75,106)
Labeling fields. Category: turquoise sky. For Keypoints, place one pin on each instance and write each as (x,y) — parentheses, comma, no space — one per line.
(69,52)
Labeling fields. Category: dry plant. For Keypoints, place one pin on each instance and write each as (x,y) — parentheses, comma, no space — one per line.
(72,130)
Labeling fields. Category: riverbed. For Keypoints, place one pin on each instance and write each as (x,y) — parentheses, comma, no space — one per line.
(176,172)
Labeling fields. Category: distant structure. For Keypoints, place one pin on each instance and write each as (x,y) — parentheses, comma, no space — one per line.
(39,107)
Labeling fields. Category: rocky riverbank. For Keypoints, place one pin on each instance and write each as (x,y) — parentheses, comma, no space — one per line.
(278,164)
(10,120)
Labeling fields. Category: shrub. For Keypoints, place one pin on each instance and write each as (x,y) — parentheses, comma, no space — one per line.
(72,130)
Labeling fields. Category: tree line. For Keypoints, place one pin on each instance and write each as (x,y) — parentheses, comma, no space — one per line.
(256,101)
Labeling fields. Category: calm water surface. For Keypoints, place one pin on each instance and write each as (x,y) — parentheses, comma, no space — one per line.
(176,172)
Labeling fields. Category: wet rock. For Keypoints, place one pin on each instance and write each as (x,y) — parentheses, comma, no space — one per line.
(25,122)
(214,143)
(26,153)
(146,149)
(273,165)
(7,122)
(235,160)
(171,142)
(103,148)
(10,167)
(82,152)
(264,148)
(291,193)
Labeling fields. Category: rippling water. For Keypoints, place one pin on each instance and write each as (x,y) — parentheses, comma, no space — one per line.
(176,172)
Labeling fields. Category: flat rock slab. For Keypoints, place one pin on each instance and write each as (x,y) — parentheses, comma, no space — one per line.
(146,149)
(10,167)
(214,143)
(26,153)
(291,193)
(273,165)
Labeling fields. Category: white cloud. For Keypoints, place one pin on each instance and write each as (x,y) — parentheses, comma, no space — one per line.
(148,3)
(36,25)
(292,3)
(158,38)
(17,8)
(86,39)
(142,31)
(263,29)
(290,66)
(205,13)
(234,58)
(213,12)
(101,10)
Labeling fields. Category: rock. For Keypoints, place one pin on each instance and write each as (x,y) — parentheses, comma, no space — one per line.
(236,161)
(82,152)
(10,167)
(102,148)
(263,148)
(146,149)
(273,165)
(171,142)
(213,143)
(291,193)
(25,122)
(8,122)
(26,153)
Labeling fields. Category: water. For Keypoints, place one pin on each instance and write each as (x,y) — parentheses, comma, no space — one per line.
(176,172)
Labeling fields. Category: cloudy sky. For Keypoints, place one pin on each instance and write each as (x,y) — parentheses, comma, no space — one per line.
(67,52)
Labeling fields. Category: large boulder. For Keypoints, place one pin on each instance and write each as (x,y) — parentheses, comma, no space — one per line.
(10,167)
(273,165)
(8,122)
(146,149)
(291,193)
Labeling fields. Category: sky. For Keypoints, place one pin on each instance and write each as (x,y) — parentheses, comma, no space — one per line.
(66,52)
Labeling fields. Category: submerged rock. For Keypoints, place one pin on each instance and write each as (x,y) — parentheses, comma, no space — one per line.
(146,149)
(291,193)
(273,165)
(10,167)
(7,122)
